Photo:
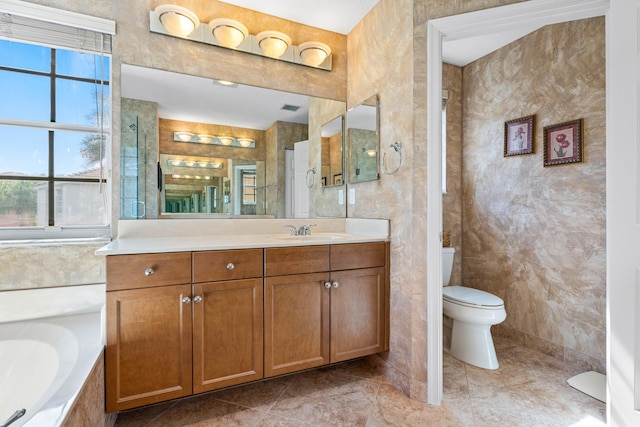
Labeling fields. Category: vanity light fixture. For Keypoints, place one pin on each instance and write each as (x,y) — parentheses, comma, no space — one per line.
(228,32)
(227,141)
(178,21)
(273,43)
(193,164)
(314,53)
(190,177)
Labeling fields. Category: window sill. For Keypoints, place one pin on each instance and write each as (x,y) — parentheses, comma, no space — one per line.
(55,242)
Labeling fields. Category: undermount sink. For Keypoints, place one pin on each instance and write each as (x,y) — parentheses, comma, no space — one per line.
(316,236)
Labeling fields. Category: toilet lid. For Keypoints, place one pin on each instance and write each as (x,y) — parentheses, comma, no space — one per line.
(470,296)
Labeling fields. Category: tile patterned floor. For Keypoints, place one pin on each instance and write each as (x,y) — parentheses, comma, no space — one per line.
(529,389)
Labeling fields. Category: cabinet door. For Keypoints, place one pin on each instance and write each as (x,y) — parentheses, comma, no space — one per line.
(357,313)
(148,356)
(296,325)
(227,333)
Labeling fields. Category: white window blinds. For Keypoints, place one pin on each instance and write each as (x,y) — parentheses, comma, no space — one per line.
(25,22)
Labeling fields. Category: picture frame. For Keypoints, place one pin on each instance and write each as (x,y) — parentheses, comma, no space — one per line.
(337,179)
(563,143)
(518,136)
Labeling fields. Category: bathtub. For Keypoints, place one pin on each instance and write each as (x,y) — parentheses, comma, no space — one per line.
(50,339)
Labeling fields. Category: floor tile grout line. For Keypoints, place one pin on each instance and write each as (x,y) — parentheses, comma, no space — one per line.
(373,404)
(161,413)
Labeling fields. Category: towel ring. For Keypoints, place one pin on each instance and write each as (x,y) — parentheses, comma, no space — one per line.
(313,177)
(397,147)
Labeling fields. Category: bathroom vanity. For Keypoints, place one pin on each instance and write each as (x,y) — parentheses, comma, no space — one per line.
(193,313)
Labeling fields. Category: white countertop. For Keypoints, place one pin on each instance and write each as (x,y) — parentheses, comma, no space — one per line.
(152,236)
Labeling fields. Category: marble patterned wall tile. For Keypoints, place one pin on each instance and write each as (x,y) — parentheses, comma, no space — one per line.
(535,236)
(51,265)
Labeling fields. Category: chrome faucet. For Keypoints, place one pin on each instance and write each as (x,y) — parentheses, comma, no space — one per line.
(303,230)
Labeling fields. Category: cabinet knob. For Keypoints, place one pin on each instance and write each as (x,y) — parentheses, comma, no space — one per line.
(186,300)
(230,266)
(197,298)
(327,285)
(335,285)
(149,271)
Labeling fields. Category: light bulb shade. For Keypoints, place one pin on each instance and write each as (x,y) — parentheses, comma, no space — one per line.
(178,21)
(245,142)
(225,140)
(273,43)
(204,139)
(184,136)
(228,32)
(314,53)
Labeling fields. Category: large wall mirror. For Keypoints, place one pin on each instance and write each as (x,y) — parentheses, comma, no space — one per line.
(362,140)
(198,147)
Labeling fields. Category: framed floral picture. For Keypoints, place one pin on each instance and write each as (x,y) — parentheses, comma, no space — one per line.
(563,143)
(518,136)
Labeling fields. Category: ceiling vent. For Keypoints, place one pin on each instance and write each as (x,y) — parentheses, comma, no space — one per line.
(289,107)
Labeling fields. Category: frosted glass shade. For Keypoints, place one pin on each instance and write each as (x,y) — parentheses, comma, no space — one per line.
(177,20)
(228,32)
(273,43)
(225,140)
(184,136)
(314,53)
(245,142)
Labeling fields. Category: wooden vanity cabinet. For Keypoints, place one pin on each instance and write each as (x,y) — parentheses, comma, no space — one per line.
(227,318)
(183,323)
(296,324)
(358,300)
(336,312)
(148,353)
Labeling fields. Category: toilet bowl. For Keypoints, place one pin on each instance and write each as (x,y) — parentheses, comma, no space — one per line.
(468,316)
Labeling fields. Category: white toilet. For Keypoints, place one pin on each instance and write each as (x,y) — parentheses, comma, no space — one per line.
(468,316)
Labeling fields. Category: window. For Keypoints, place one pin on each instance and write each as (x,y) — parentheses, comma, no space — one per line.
(55,130)
(249,187)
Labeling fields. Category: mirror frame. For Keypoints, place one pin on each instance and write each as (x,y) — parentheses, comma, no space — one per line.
(372,101)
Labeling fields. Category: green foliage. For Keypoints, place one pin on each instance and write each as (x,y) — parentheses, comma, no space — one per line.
(18,197)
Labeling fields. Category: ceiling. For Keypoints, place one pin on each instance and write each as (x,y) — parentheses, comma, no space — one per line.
(202,100)
(339,16)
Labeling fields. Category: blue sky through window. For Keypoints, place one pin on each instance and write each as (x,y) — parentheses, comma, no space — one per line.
(28,97)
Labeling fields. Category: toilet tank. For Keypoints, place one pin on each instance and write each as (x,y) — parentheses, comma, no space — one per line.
(447,264)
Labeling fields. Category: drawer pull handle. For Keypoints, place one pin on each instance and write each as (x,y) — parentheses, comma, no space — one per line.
(230,266)
(327,285)
(149,272)
(335,285)
(186,300)
(197,298)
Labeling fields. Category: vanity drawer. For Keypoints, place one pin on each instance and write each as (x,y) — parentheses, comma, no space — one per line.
(213,266)
(147,270)
(358,255)
(296,260)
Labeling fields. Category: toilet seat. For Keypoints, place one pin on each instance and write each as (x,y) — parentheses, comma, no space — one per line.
(471,297)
